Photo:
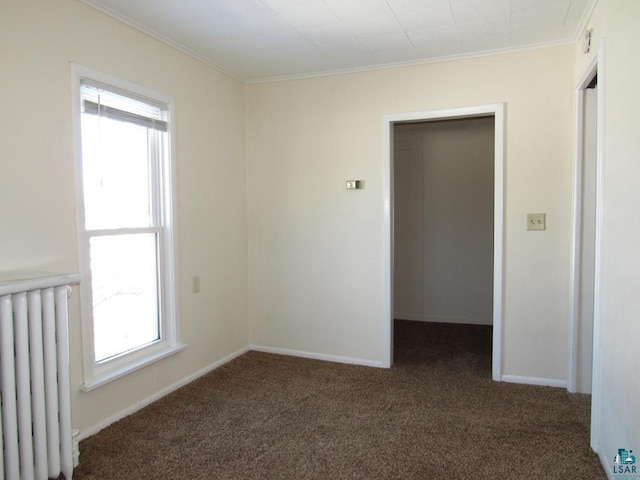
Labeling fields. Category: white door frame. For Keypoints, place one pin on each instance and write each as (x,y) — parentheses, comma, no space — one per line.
(595,67)
(388,121)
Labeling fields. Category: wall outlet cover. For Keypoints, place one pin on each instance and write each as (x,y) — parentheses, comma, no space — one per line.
(536,221)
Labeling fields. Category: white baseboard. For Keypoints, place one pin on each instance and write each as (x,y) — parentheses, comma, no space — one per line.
(440,319)
(318,356)
(158,395)
(184,381)
(542,382)
(606,464)
(548,382)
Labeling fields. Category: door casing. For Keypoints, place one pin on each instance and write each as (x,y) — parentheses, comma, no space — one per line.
(595,67)
(388,121)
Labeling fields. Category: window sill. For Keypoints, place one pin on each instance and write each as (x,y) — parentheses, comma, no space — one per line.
(106,377)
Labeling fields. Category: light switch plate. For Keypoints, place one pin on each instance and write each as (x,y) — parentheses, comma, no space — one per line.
(536,221)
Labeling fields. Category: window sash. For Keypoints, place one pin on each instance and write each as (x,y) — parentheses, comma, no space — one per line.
(154,158)
(157,310)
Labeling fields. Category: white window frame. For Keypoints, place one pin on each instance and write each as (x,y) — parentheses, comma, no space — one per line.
(97,374)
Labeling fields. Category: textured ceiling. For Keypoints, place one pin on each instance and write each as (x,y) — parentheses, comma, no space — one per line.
(256,40)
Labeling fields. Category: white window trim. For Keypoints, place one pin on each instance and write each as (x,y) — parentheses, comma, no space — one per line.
(96,375)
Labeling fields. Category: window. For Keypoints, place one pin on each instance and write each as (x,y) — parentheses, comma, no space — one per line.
(125,226)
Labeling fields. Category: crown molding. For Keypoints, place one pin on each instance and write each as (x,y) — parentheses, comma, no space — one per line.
(343,71)
(413,63)
(161,38)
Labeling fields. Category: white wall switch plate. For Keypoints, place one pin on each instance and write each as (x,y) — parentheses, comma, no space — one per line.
(196,284)
(536,221)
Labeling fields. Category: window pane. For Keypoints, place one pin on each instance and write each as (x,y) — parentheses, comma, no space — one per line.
(125,293)
(115,162)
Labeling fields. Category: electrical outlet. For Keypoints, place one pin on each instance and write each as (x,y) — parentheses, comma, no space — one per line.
(536,221)
(195,284)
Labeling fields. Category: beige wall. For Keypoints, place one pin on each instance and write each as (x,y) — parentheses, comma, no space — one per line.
(316,250)
(315,256)
(38,40)
(618,412)
(443,221)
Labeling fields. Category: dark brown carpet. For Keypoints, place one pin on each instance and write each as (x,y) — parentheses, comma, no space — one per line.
(435,415)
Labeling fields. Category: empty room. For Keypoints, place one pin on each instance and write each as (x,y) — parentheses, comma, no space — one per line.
(319,239)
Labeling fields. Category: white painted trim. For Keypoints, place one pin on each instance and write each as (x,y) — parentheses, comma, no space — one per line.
(184,381)
(83,266)
(542,382)
(598,306)
(576,250)
(416,317)
(497,110)
(161,38)
(444,114)
(576,245)
(584,21)
(387,242)
(317,356)
(498,242)
(95,374)
(411,63)
(597,65)
(606,465)
(111,375)
(158,395)
(343,71)
(278,351)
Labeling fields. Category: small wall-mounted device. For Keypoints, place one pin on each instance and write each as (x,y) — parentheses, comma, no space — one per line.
(586,41)
(355,184)
(536,221)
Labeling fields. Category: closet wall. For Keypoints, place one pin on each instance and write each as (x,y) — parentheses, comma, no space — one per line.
(443,220)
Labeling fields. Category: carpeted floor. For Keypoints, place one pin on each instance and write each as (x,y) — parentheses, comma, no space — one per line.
(435,415)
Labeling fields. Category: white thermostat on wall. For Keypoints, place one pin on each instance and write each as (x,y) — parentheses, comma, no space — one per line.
(355,184)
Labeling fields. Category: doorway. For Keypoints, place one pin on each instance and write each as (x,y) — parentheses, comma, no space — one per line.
(586,311)
(494,113)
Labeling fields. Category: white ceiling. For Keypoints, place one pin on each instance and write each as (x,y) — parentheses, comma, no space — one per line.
(257,40)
